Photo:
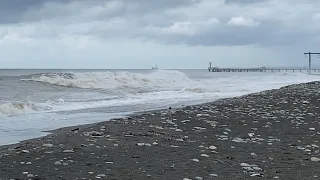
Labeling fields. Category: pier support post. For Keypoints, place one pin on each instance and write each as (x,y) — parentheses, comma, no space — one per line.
(309,54)
(309,63)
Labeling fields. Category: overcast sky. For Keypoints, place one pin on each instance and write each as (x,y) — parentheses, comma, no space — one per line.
(169,33)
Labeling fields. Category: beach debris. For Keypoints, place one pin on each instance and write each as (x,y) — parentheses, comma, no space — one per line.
(213,147)
(213,175)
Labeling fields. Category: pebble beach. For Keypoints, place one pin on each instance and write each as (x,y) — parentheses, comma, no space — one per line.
(273,134)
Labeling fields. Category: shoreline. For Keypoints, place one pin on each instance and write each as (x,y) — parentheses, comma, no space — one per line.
(273,134)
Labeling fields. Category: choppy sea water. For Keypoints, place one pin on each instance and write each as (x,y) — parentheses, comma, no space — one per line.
(32,101)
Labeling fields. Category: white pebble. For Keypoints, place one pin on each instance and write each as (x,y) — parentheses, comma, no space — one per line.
(199,178)
(30,176)
(315,159)
(204,155)
(68,151)
(57,163)
(101,175)
(47,145)
(195,160)
(212,147)
(155,143)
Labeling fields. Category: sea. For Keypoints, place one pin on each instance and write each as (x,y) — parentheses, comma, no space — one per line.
(34,101)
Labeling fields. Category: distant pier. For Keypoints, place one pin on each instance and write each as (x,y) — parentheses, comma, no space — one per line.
(261,69)
(216,69)
(267,69)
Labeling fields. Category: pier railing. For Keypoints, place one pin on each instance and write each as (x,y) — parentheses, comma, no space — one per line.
(214,69)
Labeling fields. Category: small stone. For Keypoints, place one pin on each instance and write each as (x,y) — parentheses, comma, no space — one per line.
(155,143)
(213,175)
(65,164)
(212,147)
(68,151)
(30,176)
(312,129)
(315,159)
(204,155)
(28,163)
(47,145)
(101,175)
(25,173)
(253,154)
(195,160)
(25,151)
(57,163)
(198,178)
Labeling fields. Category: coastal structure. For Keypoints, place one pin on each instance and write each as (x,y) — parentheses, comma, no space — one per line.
(156,67)
(267,69)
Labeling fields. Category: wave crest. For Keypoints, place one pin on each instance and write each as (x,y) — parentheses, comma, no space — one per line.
(9,109)
(112,80)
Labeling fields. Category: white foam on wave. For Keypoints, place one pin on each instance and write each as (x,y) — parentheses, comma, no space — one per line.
(161,79)
(158,87)
(8,109)
(18,108)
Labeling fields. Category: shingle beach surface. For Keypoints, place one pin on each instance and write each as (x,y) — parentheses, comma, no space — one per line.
(273,134)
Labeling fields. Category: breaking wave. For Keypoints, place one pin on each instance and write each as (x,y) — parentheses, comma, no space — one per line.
(18,108)
(9,109)
(160,79)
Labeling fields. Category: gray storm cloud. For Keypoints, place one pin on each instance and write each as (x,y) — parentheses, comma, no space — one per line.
(191,22)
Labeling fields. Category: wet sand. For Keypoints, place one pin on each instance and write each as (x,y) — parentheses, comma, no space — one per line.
(273,134)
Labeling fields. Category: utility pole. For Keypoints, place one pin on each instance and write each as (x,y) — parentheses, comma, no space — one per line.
(310,53)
